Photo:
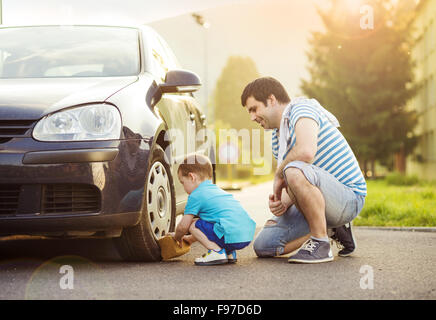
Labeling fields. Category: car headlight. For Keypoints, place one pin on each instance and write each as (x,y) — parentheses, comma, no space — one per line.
(91,122)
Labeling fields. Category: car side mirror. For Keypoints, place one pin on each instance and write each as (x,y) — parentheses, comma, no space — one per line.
(180,81)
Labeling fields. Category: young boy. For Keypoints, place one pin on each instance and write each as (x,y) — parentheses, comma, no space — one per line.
(212,216)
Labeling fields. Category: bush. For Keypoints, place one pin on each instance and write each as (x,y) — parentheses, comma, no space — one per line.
(399,179)
(428,194)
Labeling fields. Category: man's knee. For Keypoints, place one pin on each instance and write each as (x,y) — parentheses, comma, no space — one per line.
(263,246)
(294,176)
(270,222)
(260,249)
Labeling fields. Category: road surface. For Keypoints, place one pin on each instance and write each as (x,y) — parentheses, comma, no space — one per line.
(386,265)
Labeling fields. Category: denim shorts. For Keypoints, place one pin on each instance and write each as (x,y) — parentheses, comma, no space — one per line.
(342,205)
(207,228)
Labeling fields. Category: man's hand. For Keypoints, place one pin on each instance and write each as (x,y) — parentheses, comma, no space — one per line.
(276,207)
(278,185)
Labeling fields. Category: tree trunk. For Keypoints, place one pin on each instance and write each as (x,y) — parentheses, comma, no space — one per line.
(365,168)
(400,161)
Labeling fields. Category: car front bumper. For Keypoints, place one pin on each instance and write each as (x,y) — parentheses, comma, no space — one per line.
(66,187)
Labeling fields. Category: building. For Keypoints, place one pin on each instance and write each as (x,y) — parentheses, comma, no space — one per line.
(423,161)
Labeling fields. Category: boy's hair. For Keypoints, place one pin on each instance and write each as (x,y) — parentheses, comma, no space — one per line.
(262,88)
(196,163)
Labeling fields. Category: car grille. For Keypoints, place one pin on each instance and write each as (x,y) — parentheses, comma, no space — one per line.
(70,198)
(15,128)
(35,199)
(9,199)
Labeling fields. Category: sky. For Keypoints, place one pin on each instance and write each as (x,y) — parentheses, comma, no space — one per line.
(273,33)
(101,11)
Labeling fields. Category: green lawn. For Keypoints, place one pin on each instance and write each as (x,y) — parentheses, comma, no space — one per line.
(397,201)
(390,204)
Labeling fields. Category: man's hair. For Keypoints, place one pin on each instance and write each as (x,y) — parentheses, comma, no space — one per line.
(262,88)
(196,163)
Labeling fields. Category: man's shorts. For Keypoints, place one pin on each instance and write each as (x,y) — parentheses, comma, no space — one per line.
(342,205)
(207,228)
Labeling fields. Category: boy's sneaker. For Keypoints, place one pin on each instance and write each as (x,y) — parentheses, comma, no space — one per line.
(231,257)
(212,258)
(345,240)
(313,251)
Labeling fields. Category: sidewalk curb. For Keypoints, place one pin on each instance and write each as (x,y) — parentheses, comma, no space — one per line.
(407,229)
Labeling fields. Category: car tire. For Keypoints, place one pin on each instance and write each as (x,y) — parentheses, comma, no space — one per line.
(139,243)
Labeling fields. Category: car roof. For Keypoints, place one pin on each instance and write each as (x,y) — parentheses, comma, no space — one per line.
(133,26)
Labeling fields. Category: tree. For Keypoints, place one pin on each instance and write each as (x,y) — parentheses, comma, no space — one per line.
(229,113)
(236,74)
(365,77)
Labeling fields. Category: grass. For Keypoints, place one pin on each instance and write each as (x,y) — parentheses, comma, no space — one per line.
(399,202)
(396,201)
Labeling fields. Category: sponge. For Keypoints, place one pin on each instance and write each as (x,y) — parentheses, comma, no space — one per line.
(171,249)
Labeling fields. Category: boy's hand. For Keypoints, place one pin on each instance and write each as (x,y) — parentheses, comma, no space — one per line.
(189,238)
(179,241)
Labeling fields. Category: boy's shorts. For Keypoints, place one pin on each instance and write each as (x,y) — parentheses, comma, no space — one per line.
(207,229)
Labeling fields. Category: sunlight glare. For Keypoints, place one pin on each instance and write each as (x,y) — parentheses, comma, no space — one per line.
(353,5)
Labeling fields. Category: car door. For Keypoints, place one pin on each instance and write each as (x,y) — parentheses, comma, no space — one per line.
(173,110)
(198,121)
(197,118)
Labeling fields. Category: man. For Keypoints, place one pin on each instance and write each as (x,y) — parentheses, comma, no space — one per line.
(318,183)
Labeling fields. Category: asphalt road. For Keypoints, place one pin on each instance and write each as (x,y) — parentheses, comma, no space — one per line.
(386,265)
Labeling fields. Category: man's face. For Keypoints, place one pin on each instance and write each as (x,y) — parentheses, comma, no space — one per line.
(259,112)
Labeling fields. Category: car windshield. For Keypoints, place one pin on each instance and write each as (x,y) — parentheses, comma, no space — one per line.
(68,51)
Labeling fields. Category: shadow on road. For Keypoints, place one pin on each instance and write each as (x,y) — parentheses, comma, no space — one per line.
(92,249)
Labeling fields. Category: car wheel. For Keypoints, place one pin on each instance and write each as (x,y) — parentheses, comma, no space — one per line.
(139,243)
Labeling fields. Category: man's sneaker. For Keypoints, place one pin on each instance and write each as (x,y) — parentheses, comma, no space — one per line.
(344,239)
(212,258)
(231,257)
(313,251)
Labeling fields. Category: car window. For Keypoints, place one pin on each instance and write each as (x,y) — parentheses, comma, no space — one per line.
(160,67)
(73,51)
(172,60)
(163,59)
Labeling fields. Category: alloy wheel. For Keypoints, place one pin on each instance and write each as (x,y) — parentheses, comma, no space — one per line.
(159,200)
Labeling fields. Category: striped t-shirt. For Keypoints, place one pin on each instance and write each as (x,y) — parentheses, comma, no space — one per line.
(334,154)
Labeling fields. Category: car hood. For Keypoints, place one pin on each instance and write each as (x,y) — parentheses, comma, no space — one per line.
(32,99)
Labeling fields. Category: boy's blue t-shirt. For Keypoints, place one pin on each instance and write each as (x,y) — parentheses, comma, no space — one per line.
(212,204)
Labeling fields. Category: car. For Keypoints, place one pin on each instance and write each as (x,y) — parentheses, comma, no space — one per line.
(85,149)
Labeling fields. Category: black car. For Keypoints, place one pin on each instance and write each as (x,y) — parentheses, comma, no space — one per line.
(85,113)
